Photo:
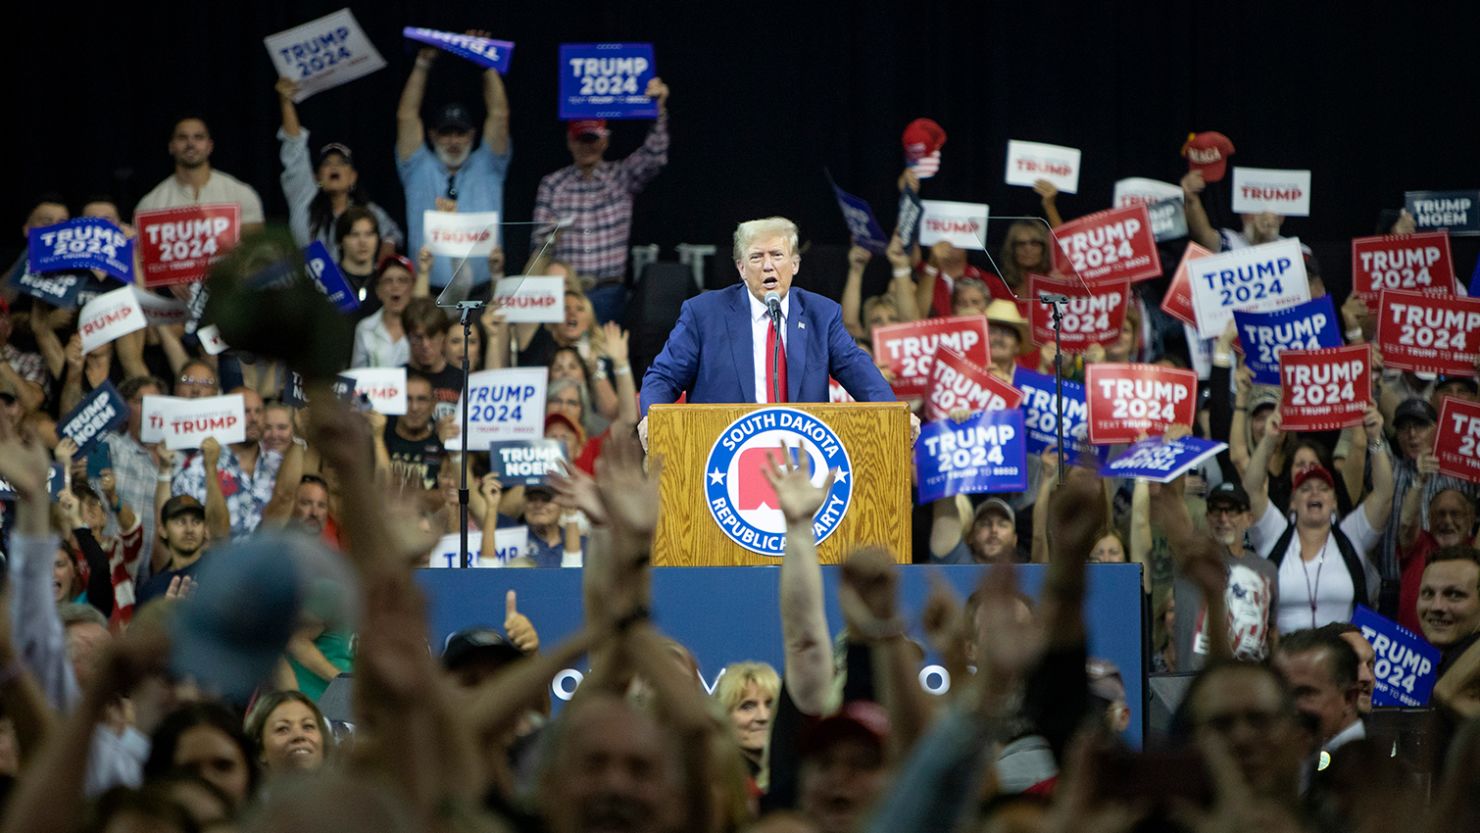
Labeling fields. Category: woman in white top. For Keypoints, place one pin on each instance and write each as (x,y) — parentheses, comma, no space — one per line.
(380,340)
(1325,567)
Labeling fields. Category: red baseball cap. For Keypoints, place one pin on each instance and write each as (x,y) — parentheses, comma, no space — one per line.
(581,128)
(1208,152)
(1318,472)
(921,138)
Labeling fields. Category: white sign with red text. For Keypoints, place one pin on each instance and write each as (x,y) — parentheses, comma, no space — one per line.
(1165,204)
(1092,316)
(1108,246)
(385,387)
(109,316)
(460,234)
(178,245)
(908,350)
(1028,162)
(530,300)
(161,311)
(1271,190)
(188,422)
(1427,333)
(1128,400)
(1324,390)
(154,414)
(1408,262)
(962,224)
(1257,279)
(211,340)
(1457,443)
(956,383)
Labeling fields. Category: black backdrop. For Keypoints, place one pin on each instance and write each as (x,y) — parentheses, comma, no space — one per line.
(1374,97)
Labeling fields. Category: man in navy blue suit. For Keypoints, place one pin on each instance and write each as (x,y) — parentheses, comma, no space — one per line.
(721,348)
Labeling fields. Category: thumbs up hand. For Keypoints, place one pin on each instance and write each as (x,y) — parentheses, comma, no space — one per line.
(517,626)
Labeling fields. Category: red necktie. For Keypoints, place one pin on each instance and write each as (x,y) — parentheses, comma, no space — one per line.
(775,371)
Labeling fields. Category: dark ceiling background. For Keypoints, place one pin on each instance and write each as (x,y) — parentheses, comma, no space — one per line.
(1375,98)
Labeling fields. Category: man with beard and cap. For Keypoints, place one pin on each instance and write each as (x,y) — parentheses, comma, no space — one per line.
(1252,595)
(454,174)
(247,472)
(311,504)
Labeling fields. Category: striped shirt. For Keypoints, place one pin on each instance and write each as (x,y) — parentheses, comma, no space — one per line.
(599,207)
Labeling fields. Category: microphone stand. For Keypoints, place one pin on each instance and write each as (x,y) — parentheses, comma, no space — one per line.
(776,355)
(465,314)
(1056,301)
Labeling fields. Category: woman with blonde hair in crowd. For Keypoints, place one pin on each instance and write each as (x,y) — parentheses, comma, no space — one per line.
(747,691)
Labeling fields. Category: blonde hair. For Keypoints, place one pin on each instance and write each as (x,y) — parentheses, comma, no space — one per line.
(737,676)
(748,231)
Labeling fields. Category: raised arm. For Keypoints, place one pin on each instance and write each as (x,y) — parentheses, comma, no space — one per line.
(1256,473)
(496,103)
(1141,531)
(852,299)
(902,281)
(809,662)
(1199,229)
(1048,194)
(46,340)
(1195,554)
(218,516)
(409,130)
(285,489)
(1379,502)
(945,527)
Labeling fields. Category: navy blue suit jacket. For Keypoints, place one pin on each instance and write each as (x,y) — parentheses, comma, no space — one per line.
(710,353)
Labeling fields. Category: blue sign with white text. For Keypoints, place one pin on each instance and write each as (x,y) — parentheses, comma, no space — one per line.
(1457,212)
(1406,667)
(1312,325)
(985,453)
(485,52)
(100,412)
(1040,409)
(60,289)
(911,210)
(525,462)
(1160,460)
(327,277)
(606,81)
(862,226)
(83,243)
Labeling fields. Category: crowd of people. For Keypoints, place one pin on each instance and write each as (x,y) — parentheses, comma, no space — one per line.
(120,712)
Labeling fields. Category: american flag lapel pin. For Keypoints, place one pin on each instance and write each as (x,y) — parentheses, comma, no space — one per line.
(801,325)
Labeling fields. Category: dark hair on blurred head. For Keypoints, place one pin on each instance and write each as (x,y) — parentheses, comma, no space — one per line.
(345,223)
(151,803)
(215,715)
(133,384)
(1344,662)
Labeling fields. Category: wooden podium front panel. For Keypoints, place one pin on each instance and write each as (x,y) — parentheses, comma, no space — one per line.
(876,437)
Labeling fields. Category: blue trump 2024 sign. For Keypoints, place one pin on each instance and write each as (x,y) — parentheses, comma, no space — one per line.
(1406,666)
(1040,409)
(863,227)
(1160,460)
(985,453)
(83,243)
(327,277)
(1312,325)
(606,81)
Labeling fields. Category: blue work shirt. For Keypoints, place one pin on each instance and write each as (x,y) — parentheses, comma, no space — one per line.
(480,187)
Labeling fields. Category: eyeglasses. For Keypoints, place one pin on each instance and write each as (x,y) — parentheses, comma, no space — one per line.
(191,380)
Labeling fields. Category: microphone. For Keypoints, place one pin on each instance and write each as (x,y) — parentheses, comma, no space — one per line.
(773,306)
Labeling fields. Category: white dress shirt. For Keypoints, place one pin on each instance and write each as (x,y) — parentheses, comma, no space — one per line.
(760,322)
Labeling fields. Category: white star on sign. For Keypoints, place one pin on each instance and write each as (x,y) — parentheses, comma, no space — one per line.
(716,476)
(842,475)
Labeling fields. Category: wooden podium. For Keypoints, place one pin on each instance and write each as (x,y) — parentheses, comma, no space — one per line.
(874,435)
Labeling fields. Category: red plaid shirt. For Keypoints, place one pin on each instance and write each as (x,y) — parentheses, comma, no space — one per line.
(601,205)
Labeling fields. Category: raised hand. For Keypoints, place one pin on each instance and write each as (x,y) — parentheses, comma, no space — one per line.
(24,463)
(66,449)
(490,489)
(799,499)
(210,450)
(858,257)
(659,90)
(898,257)
(180,587)
(517,626)
(614,343)
(629,492)
(574,489)
(286,88)
(1045,190)
(1193,183)
(868,594)
(942,619)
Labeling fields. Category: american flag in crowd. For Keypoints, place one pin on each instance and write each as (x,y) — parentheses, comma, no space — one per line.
(926,166)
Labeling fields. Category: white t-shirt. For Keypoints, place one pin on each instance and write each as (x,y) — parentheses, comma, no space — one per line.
(1322,583)
(219,188)
(760,325)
